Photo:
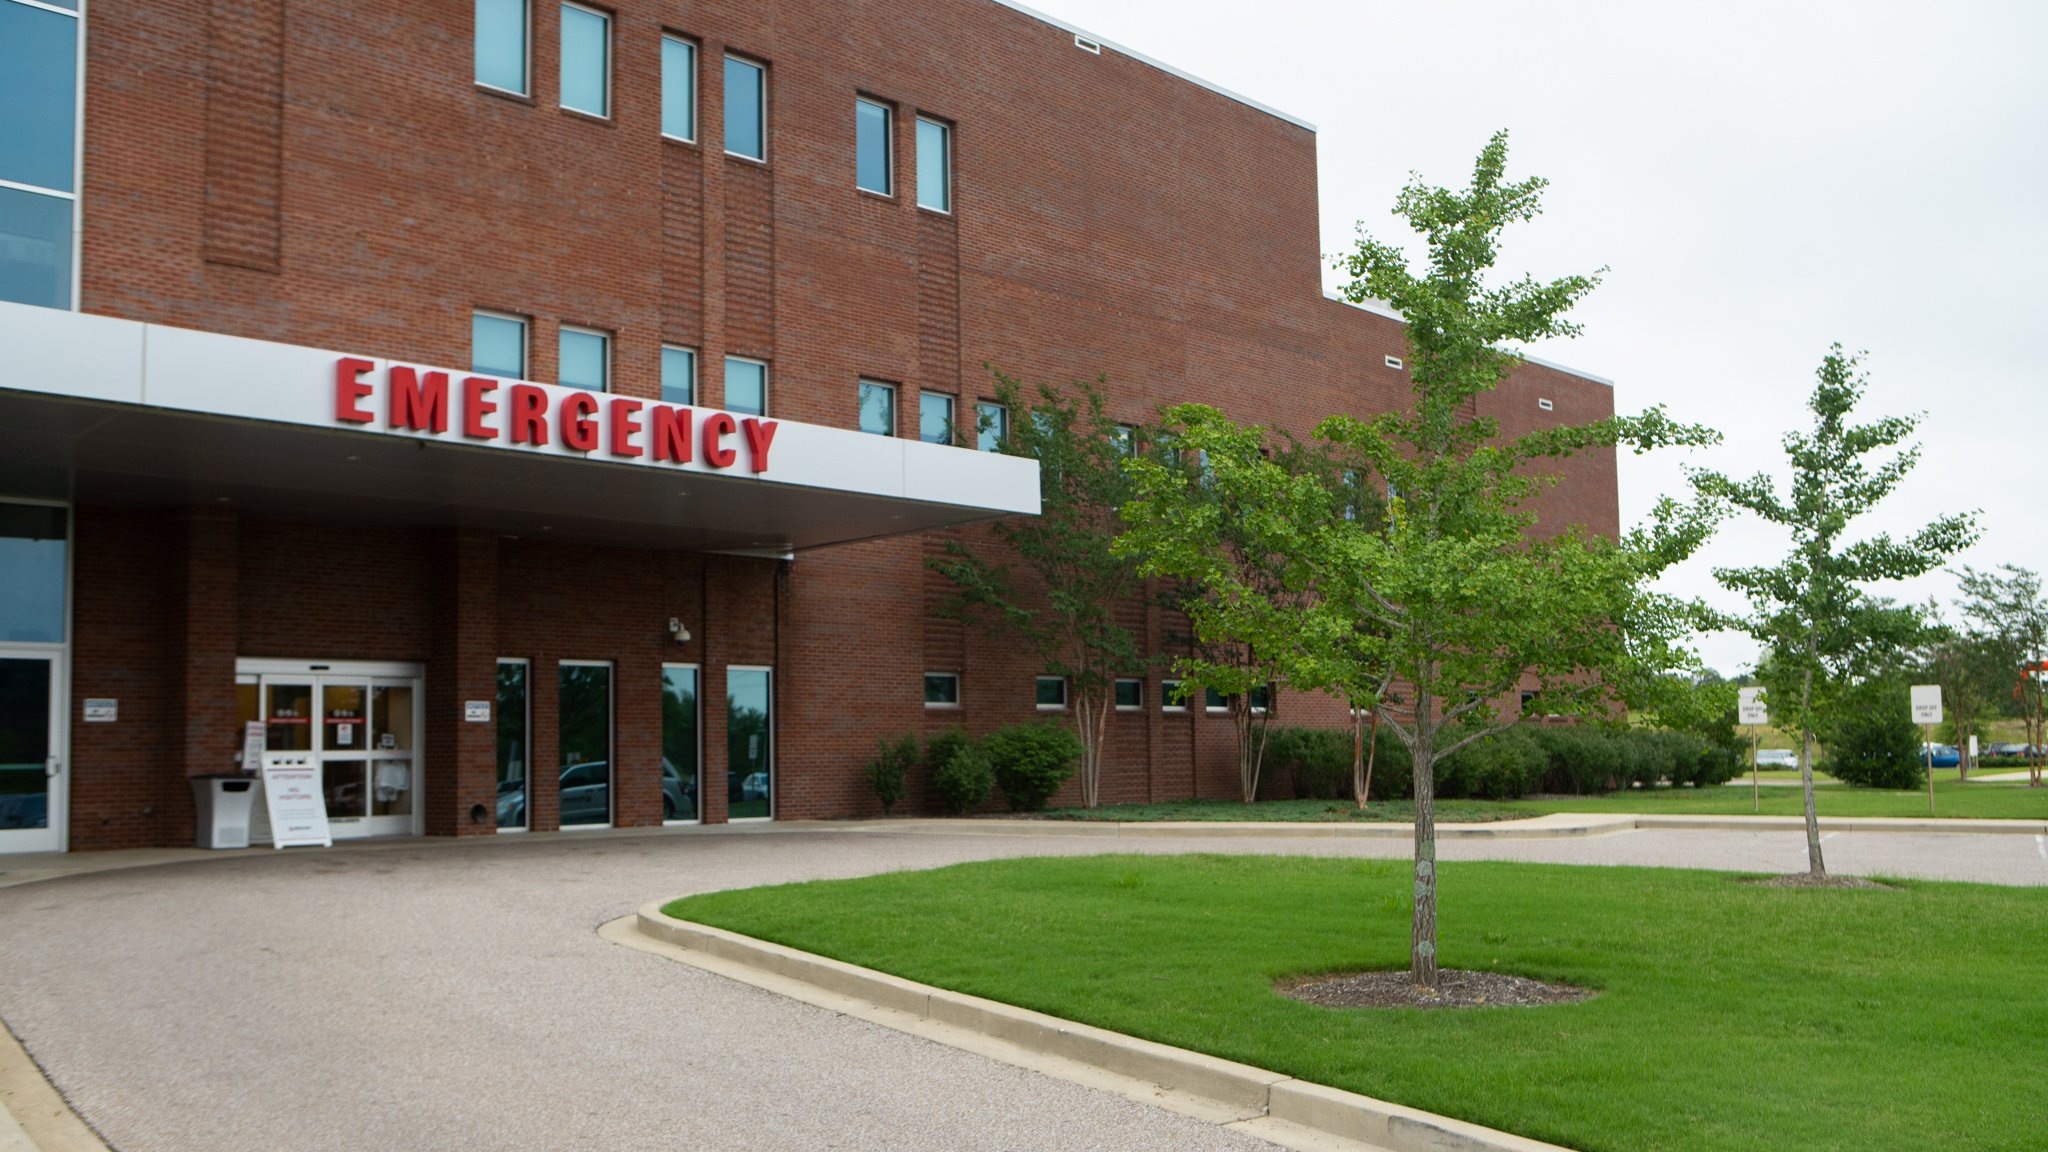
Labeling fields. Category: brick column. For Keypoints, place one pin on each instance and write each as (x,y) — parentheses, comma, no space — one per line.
(209,632)
(459,765)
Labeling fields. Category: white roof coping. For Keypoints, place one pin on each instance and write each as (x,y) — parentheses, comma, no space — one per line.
(1220,90)
(1382,308)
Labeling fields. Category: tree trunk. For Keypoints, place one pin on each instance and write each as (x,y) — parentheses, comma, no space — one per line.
(1814,864)
(1363,756)
(1090,718)
(1247,764)
(1422,941)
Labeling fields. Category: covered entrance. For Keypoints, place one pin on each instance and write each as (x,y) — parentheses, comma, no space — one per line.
(359,722)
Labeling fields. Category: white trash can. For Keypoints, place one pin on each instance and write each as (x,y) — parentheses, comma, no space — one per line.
(223,803)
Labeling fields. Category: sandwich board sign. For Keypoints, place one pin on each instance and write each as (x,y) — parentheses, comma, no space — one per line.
(295,801)
(1926,703)
(1750,703)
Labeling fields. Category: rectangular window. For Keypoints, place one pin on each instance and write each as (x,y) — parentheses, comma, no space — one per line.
(877,408)
(584,742)
(1350,494)
(992,422)
(934,165)
(746,108)
(749,743)
(746,386)
(1130,695)
(586,60)
(32,567)
(585,359)
(501,45)
(871,123)
(1215,701)
(679,742)
(1262,698)
(514,720)
(1126,440)
(678,88)
(678,375)
(497,346)
(1051,693)
(935,418)
(942,689)
(38,152)
(1169,697)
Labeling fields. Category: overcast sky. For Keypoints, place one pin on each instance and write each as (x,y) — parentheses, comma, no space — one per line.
(1761,179)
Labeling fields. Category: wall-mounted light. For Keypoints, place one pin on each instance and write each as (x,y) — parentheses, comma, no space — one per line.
(676,629)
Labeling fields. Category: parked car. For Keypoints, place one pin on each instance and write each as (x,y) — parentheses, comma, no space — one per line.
(1777,758)
(2007,749)
(1944,755)
(586,796)
(678,793)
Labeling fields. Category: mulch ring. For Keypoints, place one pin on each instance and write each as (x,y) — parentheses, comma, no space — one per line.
(1809,880)
(1455,988)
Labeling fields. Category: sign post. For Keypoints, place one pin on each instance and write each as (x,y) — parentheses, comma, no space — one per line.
(1927,713)
(1750,703)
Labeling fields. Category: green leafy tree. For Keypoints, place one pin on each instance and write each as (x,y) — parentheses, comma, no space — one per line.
(1461,598)
(1055,584)
(1969,667)
(1819,625)
(2011,613)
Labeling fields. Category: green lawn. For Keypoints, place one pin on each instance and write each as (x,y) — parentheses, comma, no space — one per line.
(1728,1016)
(2010,801)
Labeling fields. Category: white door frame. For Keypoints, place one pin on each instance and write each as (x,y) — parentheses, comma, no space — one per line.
(54,835)
(366,673)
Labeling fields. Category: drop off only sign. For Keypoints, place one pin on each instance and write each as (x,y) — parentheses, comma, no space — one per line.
(1926,703)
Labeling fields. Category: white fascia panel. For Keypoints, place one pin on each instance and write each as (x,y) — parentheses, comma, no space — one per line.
(70,354)
(943,474)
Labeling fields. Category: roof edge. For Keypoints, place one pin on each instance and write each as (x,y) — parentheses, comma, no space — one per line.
(1382,308)
(1169,69)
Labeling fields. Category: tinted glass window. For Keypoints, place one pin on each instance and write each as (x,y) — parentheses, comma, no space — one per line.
(497,347)
(1052,692)
(678,88)
(584,717)
(35,247)
(941,688)
(512,744)
(749,735)
(501,44)
(679,744)
(935,418)
(934,165)
(877,409)
(746,120)
(746,387)
(871,145)
(583,360)
(994,424)
(38,96)
(1130,693)
(585,61)
(678,376)
(32,549)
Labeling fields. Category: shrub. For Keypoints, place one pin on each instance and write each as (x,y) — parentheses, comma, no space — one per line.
(1393,769)
(1581,760)
(1503,766)
(1318,760)
(890,768)
(1873,742)
(1031,761)
(960,770)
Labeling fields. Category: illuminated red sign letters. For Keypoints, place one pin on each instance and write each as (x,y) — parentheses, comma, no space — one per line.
(587,422)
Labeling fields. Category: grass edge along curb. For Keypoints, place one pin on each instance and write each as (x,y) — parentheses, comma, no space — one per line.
(1238,1088)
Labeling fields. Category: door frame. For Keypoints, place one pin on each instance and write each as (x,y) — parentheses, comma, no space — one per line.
(367,673)
(60,651)
(54,836)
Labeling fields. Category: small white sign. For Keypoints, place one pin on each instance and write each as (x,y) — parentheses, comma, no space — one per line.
(1973,747)
(1926,703)
(1750,703)
(476,711)
(297,805)
(102,710)
(253,741)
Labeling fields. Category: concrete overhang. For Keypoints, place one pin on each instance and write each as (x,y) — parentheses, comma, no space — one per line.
(105,411)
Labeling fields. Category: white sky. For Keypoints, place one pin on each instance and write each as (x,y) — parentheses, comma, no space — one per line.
(1763,180)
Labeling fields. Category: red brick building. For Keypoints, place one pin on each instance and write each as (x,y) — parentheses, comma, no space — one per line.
(517,408)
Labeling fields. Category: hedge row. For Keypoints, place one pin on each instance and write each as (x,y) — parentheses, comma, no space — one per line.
(1507,765)
(1028,761)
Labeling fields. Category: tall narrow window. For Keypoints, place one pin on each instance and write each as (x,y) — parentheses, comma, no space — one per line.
(38,154)
(32,566)
(746,386)
(585,359)
(501,45)
(935,418)
(871,146)
(679,742)
(993,421)
(497,346)
(746,108)
(513,744)
(877,408)
(678,375)
(934,165)
(584,742)
(678,88)
(586,60)
(749,743)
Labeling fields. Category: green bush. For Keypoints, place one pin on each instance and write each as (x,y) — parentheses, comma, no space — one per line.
(1503,766)
(890,768)
(1031,761)
(1316,760)
(1873,742)
(1581,760)
(960,770)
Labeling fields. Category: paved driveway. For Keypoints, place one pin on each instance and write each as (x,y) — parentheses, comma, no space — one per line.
(456,995)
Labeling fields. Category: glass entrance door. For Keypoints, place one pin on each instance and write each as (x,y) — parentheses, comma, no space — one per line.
(362,730)
(31,762)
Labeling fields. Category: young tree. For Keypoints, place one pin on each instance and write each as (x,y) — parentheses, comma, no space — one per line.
(1460,598)
(2012,613)
(1064,606)
(1811,612)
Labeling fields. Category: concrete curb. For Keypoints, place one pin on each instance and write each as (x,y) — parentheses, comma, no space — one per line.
(34,1116)
(1552,826)
(1269,1105)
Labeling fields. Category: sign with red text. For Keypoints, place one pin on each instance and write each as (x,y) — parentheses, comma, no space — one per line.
(296,803)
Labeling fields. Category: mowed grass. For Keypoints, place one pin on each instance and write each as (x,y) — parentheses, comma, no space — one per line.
(1975,800)
(1728,1017)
